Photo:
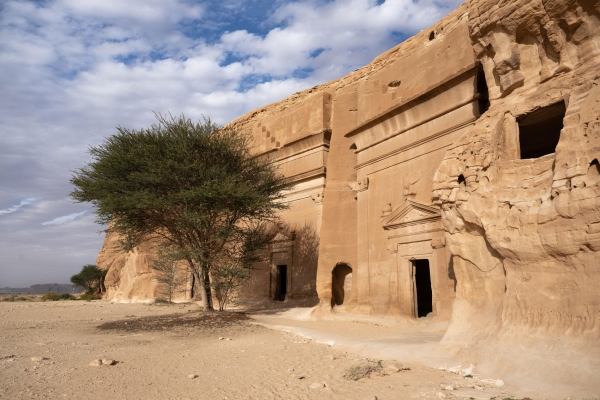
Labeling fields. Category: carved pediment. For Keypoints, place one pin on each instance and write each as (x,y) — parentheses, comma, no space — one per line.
(411,213)
(280,237)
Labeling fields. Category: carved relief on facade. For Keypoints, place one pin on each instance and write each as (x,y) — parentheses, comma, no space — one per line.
(412,217)
(554,34)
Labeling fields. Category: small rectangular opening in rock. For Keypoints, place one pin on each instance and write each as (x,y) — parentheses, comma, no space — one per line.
(281,289)
(422,286)
(539,131)
(483,96)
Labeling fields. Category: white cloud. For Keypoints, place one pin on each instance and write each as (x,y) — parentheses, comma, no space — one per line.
(64,219)
(24,202)
(73,70)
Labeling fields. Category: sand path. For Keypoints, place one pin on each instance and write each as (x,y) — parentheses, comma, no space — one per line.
(155,356)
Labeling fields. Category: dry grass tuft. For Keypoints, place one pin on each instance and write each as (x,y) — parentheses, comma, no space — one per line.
(362,370)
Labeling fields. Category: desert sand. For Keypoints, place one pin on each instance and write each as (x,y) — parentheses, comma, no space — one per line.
(178,352)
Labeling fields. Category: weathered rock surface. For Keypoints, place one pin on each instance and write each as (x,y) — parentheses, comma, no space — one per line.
(457,176)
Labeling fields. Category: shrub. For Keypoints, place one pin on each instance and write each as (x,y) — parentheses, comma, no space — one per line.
(88,297)
(51,296)
(362,370)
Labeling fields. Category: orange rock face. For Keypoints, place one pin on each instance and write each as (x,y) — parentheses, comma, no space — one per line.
(456,175)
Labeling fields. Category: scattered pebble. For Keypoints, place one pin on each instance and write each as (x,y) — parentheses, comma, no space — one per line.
(228,339)
(221,338)
(391,369)
(449,387)
(38,358)
(108,361)
(95,363)
(318,385)
(192,376)
(299,376)
(441,395)
(371,398)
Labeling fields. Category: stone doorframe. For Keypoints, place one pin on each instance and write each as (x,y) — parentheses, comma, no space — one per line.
(281,250)
(416,234)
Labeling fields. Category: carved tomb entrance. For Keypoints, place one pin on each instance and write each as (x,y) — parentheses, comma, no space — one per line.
(282,250)
(281,283)
(341,284)
(420,281)
(421,278)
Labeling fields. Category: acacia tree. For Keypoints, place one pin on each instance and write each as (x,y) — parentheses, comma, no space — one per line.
(91,278)
(193,188)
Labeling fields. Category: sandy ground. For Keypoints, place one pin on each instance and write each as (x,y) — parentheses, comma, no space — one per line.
(231,355)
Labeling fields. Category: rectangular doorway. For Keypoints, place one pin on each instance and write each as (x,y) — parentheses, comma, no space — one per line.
(281,286)
(423,296)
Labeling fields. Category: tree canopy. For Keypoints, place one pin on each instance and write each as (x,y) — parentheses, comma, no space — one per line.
(194,188)
(91,278)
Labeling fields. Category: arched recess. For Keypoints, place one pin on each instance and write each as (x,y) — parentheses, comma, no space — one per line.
(593,173)
(341,284)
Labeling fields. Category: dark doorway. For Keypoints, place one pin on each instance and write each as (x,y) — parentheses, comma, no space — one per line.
(281,289)
(341,284)
(422,286)
(539,131)
(483,96)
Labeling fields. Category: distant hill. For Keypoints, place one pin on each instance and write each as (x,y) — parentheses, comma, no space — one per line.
(53,287)
(43,288)
(9,290)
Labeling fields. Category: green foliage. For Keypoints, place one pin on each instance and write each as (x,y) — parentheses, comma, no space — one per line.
(232,267)
(194,189)
(88,297)
(52,296)
(170,274)
(14,298)
(91,278)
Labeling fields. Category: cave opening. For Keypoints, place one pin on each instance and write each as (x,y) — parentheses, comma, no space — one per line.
(539,131)
(483,94)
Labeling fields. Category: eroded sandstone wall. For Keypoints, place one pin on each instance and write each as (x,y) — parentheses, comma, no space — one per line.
(524,233)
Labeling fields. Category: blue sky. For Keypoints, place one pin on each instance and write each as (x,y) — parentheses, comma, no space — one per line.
(73,70)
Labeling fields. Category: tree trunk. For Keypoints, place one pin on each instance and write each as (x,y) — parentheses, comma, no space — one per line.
(199,280)
(206,287)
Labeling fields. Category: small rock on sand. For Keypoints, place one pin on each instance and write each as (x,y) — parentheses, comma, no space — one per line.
(106,361)
(299,376)
(318,385)
(441,395)
(38,358)
(371,398)
(393,368)
(95,363)
(192,376)
(221,338)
